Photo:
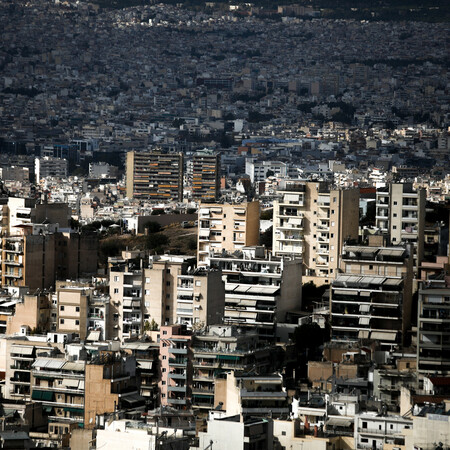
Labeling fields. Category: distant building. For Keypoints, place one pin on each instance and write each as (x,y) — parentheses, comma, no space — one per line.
(371,298)
(226,227)
(400,213)
(259,290)
(175,358)
(313,221)
(48,166)
(433,325)
(206,176)
(154,175)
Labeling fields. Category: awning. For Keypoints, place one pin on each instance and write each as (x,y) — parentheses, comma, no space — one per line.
(93,336)
(364,320)
(228,357)
(145,365)
(363,334)
(70,383)
(339,422)
(42,395)
(383,335)
(204,233)
(364,308)
(22,349)
(133,399)
(74,410)
(47,408)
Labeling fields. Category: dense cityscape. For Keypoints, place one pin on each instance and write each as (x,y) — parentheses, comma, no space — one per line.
(224,225)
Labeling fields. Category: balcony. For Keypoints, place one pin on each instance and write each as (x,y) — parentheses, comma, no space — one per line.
(178,362)
(177,376)
(178,351)
(177,388)
(176,401)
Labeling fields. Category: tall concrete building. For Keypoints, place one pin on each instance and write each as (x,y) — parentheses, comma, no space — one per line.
(155,175)
(400,213)
(206,175)
(167,290)
(50,167)
(372,297)
(313,220)
(39,254)
(433,328)
(259,289)
(226,227)
(175,358)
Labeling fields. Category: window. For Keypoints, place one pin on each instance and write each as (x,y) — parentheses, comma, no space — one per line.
(77,322)
(167,295)
(370,266)
(61,308)
(224,239)
(334,199)
(163,395)
(167,308)
(394,227)
(164,370)
(164,344)
(116,279)
(147,292)
(116,290)
(332,235)
(332,211)
(77,309)
(167,283)
(147,280)
(364,424)
(164,357)
(395,214)
(392,426)
(395,203)
(61,321)
(164,332)
(198,283)
(163,383)
(283,433)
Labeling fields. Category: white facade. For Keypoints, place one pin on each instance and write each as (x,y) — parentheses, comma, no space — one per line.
(50,167)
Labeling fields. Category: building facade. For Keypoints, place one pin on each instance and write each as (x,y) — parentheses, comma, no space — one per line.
(155,175)
(313,220)
(226,227)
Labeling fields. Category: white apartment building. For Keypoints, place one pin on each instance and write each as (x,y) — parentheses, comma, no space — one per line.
(313,220)
(400,213)
(48,166)
(259,289)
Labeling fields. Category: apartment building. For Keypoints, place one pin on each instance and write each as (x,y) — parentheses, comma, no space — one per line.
(167,290)
(226,227)
(32,312)
(219,350)
(373,431)
(433,328)
(48,166)
(40,254)
(313,220)
(400,213)
(154,175)
(147,367)
(371,298)
(72,309)
(206,176)
(249,395)
(175,359)
(259,289)
(73,391)
(21,351)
